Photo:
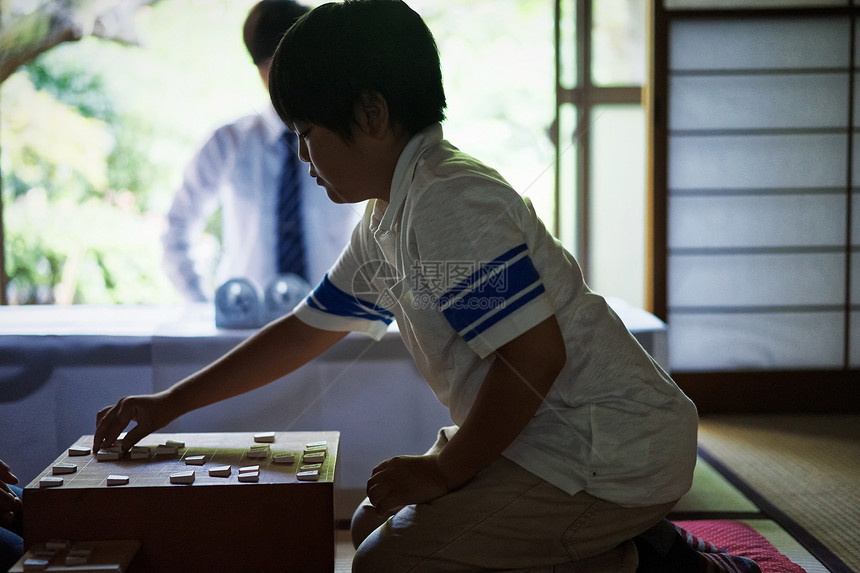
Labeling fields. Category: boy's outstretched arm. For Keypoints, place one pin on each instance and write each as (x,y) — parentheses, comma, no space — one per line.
(274,351)
(515,385)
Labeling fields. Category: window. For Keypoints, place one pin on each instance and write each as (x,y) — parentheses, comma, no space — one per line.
(600,158)
(67,229)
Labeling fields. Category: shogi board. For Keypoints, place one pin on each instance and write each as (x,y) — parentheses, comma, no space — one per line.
(214,524)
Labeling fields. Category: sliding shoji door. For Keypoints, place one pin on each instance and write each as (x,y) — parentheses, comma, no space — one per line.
(756,207)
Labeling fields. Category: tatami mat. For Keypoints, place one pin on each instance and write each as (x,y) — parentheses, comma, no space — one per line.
(712,494)
(343,552)
(806,468)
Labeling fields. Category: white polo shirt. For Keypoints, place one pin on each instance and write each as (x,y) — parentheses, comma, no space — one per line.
(464,265)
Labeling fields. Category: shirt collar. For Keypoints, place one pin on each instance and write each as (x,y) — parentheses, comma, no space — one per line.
(404,173)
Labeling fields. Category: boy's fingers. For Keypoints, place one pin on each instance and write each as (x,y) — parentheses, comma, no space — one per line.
(133,436)
(6,475)
(9,502)
(110,424)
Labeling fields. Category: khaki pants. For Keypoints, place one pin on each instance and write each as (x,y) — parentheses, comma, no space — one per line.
(506,518)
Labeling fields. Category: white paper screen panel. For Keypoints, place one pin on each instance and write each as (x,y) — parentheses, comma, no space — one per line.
(728,282)
(759,44)
(758,222)
(757,341)
(759,102)
(854,339)
(757,161)
(750,4)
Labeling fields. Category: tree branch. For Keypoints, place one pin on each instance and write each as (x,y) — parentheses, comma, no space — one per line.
(25,37)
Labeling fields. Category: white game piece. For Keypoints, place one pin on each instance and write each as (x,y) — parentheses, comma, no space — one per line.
(316,444)
(220,471)
(314,458)
(312,475)
(64,469)
(284,458)
(174,443)
(79,451)
(167,449)
(140,452)
(195,460)
(316,448)
(182,477)
(81,551)
(79,556)
(310,467)
(259,451)
(265,437)
(43,552)
(35,564)
(115,479)
(250,477)
(50,481)
(107,455)
(57,544)
(249,469)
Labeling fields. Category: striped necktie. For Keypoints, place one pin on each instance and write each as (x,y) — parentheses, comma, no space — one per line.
(291,256)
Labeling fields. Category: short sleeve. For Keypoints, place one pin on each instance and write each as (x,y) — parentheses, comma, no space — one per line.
(345,300)
(474,260)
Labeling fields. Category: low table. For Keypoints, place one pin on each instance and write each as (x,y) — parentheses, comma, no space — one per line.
(213,524)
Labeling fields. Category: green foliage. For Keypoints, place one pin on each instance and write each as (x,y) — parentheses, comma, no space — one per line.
(49,145)
(75,86)
(94,138)
(95,135)
(83,252)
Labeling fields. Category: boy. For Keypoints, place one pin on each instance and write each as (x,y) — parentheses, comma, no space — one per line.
(570,440)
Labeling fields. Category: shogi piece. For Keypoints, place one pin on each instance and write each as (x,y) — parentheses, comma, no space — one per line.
(88,557)
(265,437)
(288,521)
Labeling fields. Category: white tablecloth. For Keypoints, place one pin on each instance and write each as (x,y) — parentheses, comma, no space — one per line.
(60,364)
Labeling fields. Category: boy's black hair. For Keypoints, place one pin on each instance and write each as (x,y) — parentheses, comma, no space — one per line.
(339,53)
(266,23)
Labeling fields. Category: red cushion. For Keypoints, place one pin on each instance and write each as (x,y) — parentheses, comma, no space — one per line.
(741,539)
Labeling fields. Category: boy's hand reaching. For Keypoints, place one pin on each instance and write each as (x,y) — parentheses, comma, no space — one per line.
(150,412)
(10,503)
(405,480)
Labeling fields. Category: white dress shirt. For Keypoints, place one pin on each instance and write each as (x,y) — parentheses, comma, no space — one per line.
(239,168)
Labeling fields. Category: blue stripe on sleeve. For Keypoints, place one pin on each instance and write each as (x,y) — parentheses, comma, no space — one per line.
(510,281)
(330,299)
(479,275)
(509,309)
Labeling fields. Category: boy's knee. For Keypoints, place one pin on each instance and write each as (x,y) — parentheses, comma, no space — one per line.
(371,556)
(364,522)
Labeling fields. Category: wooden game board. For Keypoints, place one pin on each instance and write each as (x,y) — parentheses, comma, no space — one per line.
(214,524)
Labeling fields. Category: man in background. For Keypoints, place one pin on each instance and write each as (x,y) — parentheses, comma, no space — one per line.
(275,219)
